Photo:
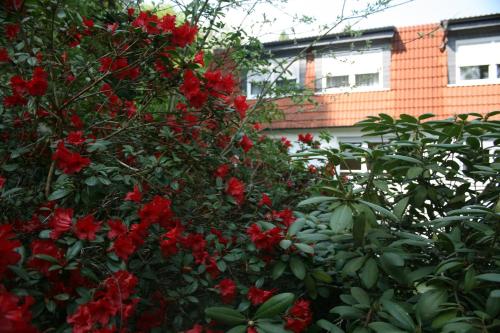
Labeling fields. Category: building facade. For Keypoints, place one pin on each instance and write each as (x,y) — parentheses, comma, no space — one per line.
(446,68)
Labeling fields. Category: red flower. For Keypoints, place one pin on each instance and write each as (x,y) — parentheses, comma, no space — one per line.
(15,315)
(89,23)
(14,100)
(251,329)
(61,222)
(158,210)
(222,171)
(265,240)
(227,290)
(265,200)
(241,105)
(195,329)
(168,242)
(246,143)
(86,227)
(4,55)
(76,121)
(191,90)
(7,245)
(2,182)
(135,195)
(18,85)
(307,139)
(199,58)
(11,30)
(236,189)
(116,228)
(167,23)
(184,35)
(37,86)
(299,317)
(68,161)
(75,138)
(123,246)
(130,11)
(258,296)
(286,143)
(46,247)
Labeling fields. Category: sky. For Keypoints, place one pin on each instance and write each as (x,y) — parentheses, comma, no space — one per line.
(282,17)
(325,12)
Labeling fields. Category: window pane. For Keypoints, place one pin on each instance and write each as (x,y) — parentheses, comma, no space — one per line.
(337,81)
(257,87)
(498,71)
(474,72)
(285,83)
(367,80)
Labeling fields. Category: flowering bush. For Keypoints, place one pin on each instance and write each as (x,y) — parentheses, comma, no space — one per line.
(132,177)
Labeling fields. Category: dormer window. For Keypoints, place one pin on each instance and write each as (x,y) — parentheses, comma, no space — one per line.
(478,60)
(257,82)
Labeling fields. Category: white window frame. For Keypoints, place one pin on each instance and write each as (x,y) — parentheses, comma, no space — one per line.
(353,71)
(277,65)
(492,62)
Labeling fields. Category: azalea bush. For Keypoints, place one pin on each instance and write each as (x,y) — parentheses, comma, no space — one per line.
(131,177)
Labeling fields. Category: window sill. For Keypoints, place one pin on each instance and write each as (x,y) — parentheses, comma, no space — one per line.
(473,83)
(349,91)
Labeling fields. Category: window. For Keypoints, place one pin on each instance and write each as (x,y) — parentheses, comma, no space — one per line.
(356,70)
(256,82)
(478,60)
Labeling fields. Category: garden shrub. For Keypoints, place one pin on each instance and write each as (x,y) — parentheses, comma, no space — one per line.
(137,194)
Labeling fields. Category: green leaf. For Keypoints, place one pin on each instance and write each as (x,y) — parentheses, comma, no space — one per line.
(382,327)
(403,158)
(329,327)
(271,328)
(491,277)
(315,200)
(400,314)
(400,207)
(304,248)
(74,249)
(238,329)
(274,306)
(348,312)
(322,276)
(285,244)
(361,296)
(353,265)
(296,227)
(225,315)
(429,302)
(278,270)
(369,273)
(381,210)
(393,259)
(341,219)
(61,297)
(58,194)
(298,268)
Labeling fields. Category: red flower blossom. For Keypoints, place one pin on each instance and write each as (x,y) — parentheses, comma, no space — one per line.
(86,227)
(75,138)
(89,23)
(246,143)
(190,88)
(4,55)
(195,329)
(299,316)
(241,105)
(312,169)
(68,161)
(130,11)
(14,100)
(37,86)
(286,143)
(2,182)
(167,23)
(123,246)
(168,242)
(265,200)
(46,247)
(61,222)
(227,290)
(18,85)
(258,296)
(251,329)
(135,195)
(264,240)
(11,30)
(76,121)
(7,245)
(15,315)
(285,217)
(116,228)
(156,211)
(184,35)
(307,138)
(199,58)
(236,189)
(222,171)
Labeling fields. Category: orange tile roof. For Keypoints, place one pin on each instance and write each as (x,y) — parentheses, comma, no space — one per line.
(419,84)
